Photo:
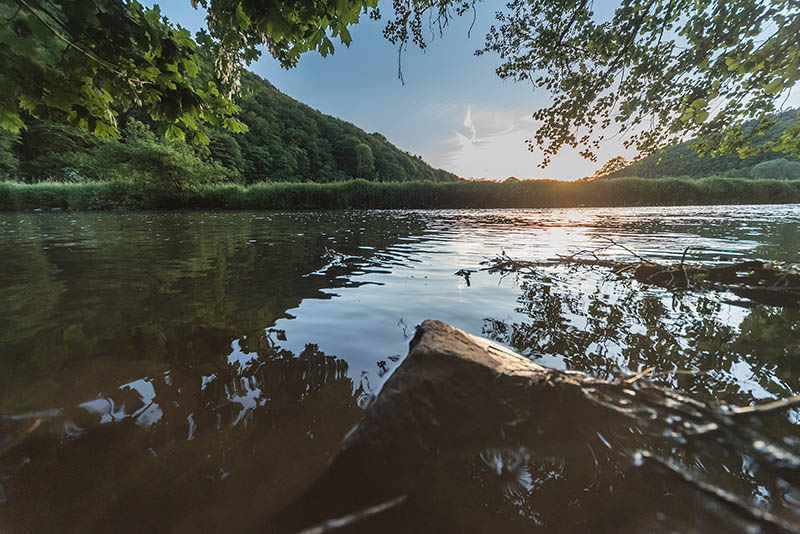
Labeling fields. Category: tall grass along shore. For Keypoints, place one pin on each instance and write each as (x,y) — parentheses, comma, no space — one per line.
(364,194)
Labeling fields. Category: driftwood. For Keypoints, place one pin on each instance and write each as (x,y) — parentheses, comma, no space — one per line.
(476,438)
(760,282)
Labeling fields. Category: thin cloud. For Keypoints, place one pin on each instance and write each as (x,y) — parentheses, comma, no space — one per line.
(491,143)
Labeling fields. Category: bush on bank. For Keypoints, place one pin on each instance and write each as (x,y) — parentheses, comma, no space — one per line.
(364,194)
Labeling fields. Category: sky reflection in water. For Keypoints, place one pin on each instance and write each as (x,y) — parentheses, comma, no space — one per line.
(197,370)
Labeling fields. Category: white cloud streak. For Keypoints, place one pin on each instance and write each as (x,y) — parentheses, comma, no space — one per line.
(490,143)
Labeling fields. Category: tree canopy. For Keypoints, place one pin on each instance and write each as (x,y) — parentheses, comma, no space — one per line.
(82,61)
(654,71)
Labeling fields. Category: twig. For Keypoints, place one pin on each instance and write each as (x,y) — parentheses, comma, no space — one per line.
(16,441)
(637,376)
(349,519)
(769,407)
(626,268)
(632,253)
(683,257)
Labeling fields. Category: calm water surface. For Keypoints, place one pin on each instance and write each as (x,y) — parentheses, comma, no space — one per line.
(185,372)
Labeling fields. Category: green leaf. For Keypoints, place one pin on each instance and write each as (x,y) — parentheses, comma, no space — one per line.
(775,86)
(732,63)
(698,103)
(105,130)
(11,122)
(201,139)
(241,18)
(173,133)
(234,125)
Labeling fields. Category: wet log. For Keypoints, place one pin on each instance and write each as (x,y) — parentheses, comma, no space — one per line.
(448,394)
(468,436)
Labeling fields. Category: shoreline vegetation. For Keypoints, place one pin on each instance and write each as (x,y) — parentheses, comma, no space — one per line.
(362,194)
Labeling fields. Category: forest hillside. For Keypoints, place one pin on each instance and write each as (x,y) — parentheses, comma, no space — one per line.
(681,161)
(285,141)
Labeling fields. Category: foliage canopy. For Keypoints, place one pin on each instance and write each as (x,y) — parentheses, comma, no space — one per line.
(658,71)
(83,61)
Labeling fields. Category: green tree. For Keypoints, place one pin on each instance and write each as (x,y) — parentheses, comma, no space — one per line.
(615,164)
(9,162)
(656,70)
(81,60)
(365,162)
(58,152)
(780,168)
(286,140)
(682,160)
(151,162)
(226,151)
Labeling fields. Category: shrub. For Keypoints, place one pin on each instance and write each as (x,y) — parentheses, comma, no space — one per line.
(776,169)
(364,194)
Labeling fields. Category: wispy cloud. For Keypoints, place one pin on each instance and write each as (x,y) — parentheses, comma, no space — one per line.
(491,143)
(469,124)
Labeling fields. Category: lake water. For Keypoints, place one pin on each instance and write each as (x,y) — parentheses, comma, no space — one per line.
(195,371)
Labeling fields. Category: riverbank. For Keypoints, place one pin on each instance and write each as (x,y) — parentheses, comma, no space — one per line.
(364,194)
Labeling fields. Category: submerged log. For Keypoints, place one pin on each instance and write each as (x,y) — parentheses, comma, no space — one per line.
(468,436)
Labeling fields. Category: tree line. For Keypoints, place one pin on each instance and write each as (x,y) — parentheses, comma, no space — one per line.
(682,160)
(284,140)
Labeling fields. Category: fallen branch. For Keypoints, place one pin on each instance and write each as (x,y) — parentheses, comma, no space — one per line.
(768,283)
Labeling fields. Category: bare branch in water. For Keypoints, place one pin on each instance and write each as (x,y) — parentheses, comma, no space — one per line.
(769,407)
(761,282)
(726,498)
(341,522)
(17,440)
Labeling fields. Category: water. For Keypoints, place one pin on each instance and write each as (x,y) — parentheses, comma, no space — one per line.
(183,372)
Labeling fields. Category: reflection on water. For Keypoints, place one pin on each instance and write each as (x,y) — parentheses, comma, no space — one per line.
(180,450)
(196,371)
(696,343)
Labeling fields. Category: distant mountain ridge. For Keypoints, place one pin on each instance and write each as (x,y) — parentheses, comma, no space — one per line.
(681,161)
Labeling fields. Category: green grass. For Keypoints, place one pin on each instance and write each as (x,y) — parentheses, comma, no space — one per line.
(363,194)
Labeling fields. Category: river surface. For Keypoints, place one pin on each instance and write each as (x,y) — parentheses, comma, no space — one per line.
(195,371)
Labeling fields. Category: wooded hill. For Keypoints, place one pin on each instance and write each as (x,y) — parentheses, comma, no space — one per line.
(286,141)
(681,161)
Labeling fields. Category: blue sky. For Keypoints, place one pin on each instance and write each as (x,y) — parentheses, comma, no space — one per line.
(453,110)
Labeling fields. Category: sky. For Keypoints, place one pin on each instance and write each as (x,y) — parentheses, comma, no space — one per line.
(453,110)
